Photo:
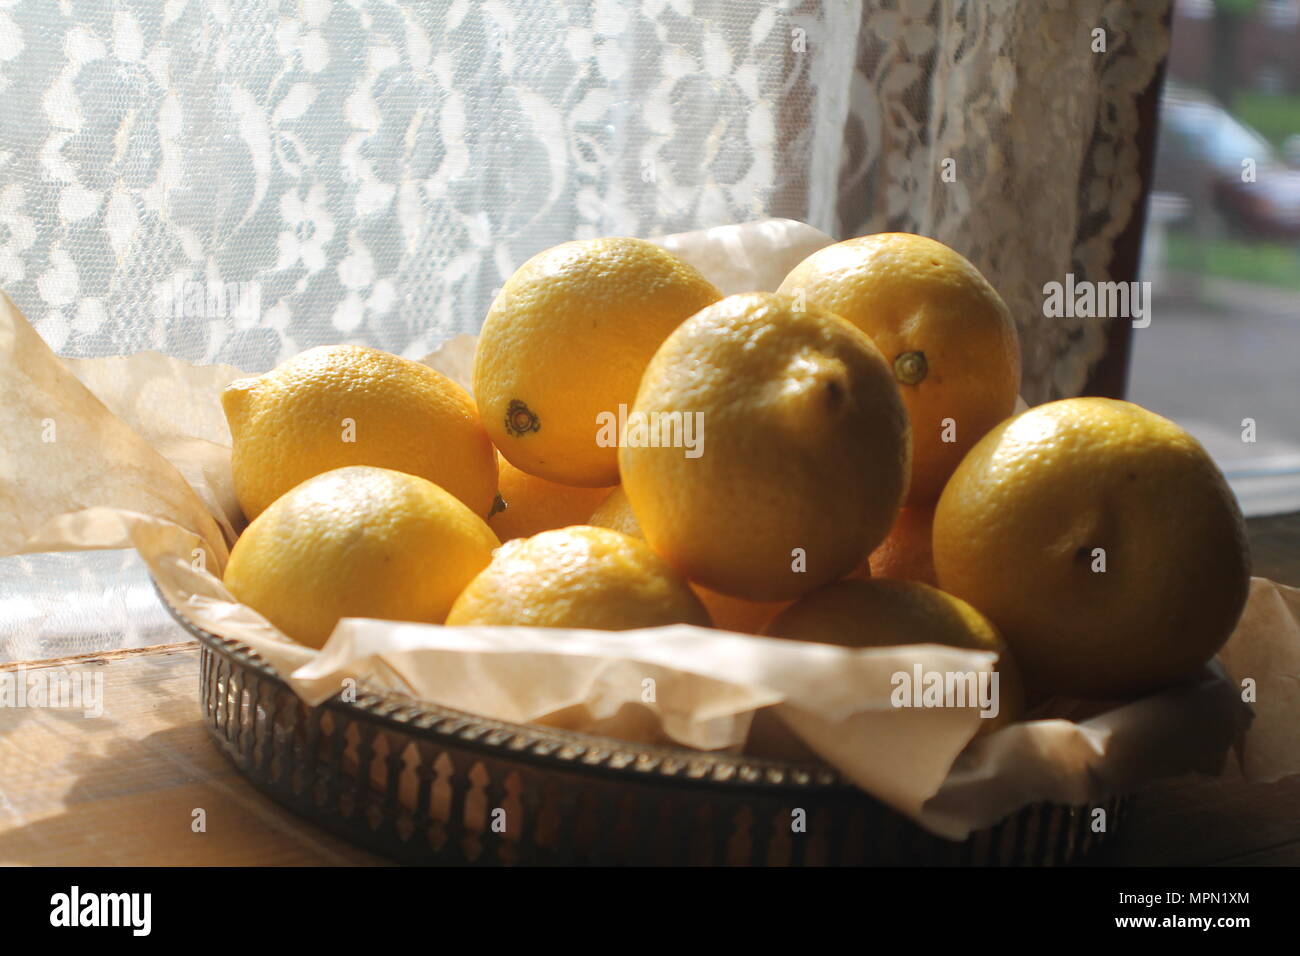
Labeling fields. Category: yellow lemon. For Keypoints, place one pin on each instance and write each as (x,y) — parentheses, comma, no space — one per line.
(906,552)
(728,613)
(564,345)
(357,542)
(340,405)
(736,614)
(616,514)
(884,613)
(577,577)
(533,505)
(1102,541)
(801,453)
(945,331)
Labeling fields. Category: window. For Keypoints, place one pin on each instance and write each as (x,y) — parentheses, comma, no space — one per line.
(1222,251)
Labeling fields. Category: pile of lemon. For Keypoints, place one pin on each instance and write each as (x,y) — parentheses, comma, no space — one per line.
(836,462)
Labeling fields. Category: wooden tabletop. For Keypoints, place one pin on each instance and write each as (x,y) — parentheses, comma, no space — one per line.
(124,787)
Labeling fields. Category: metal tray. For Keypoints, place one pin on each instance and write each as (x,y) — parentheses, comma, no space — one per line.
(423,784)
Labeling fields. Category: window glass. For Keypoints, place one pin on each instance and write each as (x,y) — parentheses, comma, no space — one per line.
(1222,249)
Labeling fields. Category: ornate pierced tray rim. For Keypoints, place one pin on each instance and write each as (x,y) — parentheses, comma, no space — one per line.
(572,750)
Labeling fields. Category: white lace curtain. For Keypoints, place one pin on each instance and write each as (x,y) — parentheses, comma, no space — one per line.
(372,171)
(378,169)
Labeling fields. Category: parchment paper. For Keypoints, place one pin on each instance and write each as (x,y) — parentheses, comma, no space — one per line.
(134,452)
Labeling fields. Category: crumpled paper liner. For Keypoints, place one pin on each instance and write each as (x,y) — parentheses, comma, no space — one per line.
(138,456)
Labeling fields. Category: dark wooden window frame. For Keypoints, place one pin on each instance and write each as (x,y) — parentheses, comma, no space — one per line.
(1109,377)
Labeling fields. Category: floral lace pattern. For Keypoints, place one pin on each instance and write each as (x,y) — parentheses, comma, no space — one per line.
(378,169)
(1009,135)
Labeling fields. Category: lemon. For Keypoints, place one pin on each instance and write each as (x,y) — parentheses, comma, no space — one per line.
(906,553)
(615,513)
(580,576)
(885,613)
(804,457)
(737,614)
(945,331)
(565,343)
(357,542)
(1102,541)
(533,505)
(340,405)
(728,613)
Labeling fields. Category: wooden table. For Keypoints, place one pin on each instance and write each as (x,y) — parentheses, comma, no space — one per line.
(123,788)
